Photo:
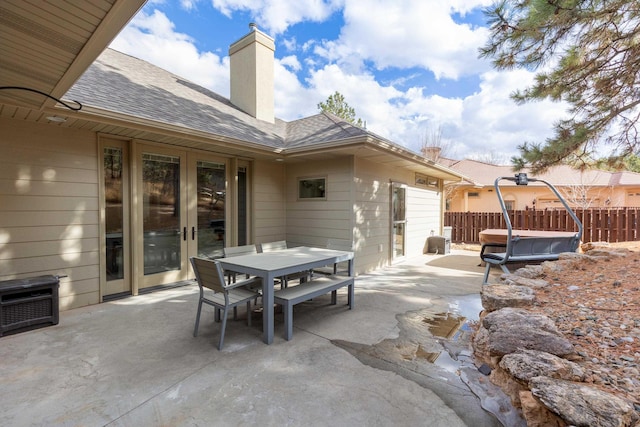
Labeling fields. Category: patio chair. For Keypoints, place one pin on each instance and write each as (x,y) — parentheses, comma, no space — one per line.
(341,268)
(209,274)
(278,246)
(237,251)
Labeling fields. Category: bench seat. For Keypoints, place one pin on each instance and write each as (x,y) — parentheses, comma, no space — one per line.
(288,297)
(521,250)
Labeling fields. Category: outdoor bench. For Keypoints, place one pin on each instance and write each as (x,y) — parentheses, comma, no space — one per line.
(288,297)
(518,249)
(522,250)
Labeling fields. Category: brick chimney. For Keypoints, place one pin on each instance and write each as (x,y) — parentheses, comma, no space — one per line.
(252,88)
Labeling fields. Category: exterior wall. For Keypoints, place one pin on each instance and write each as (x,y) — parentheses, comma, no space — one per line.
(372,210)
(49,208)
(423,218)
(312,222)
(268,216)
(487,201)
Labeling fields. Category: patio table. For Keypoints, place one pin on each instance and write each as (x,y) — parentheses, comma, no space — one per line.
(269,265)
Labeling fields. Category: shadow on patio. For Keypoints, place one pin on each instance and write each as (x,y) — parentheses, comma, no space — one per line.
(134,362)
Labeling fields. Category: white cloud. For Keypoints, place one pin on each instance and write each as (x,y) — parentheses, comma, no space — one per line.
(277,16)
(487,120)
(408,33)
(152,37)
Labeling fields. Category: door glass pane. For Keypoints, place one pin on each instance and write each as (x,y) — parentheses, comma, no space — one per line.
(211,209)
(398,239)
(242,206)
(161,213)
(399,220)
(113,212)
(398,204)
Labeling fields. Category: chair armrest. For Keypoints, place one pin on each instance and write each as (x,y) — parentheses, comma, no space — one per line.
(491,245)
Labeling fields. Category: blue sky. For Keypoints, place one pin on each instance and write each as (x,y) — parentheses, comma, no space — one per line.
(409,68)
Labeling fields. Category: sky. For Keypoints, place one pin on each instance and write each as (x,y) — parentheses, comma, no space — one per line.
(409,68)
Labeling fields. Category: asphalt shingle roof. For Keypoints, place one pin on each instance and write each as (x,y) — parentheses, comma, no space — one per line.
(127,85)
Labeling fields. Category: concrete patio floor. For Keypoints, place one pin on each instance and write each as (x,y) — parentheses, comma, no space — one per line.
(134,361)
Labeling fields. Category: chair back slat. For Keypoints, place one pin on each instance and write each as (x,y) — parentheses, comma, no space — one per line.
(273,246)
(240,250)
(209,274)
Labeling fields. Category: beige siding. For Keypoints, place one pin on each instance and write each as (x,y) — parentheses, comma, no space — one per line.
(523,197)
(423,218)
(372,226)
(49,208)
(372,215)
(269,220)
(312,222)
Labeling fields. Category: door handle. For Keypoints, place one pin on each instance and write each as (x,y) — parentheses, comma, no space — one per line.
(193,233)
(184,233)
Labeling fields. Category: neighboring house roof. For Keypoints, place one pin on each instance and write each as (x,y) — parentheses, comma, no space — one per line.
(483,174)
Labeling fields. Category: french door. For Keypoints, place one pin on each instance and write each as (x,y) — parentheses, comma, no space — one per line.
(398,219)
(115,195)
(180,212)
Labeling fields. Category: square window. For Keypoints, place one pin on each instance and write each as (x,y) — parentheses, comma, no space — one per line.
(312,188)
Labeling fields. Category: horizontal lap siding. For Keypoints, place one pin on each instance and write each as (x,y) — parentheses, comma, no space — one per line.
(372,222)
(268,214)
(313,222)
(49,208)
(373,209)
(423,218)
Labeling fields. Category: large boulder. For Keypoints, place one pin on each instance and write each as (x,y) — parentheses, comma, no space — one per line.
(495,297)
(527,364)
(512,329)
(583,406)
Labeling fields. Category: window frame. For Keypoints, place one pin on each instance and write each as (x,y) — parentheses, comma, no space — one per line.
(319,181)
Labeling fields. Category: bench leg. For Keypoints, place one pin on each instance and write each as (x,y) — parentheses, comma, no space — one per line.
(334,297)
(351,297)
(288,320)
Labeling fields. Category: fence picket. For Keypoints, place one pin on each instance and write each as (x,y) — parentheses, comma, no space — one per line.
(609,225)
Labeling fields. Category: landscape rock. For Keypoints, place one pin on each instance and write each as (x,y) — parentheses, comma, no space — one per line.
(495,297)
(582,405)
(512,279)
(511,329)
(536,414)
(527,364)
(529,271)
(586,247)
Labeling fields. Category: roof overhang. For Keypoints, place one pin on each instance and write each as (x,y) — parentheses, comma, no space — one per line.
(46,46)
(377,151)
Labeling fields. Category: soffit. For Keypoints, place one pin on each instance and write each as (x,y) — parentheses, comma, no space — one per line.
(46,45)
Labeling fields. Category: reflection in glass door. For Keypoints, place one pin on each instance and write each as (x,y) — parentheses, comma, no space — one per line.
(210,229)
(161,218)
(399,219)
(243,209)
(116,219)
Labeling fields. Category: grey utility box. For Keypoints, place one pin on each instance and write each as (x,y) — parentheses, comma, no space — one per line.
(28,303)
(438,245)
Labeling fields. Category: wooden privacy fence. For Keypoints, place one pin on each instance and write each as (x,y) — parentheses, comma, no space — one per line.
(600,225)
